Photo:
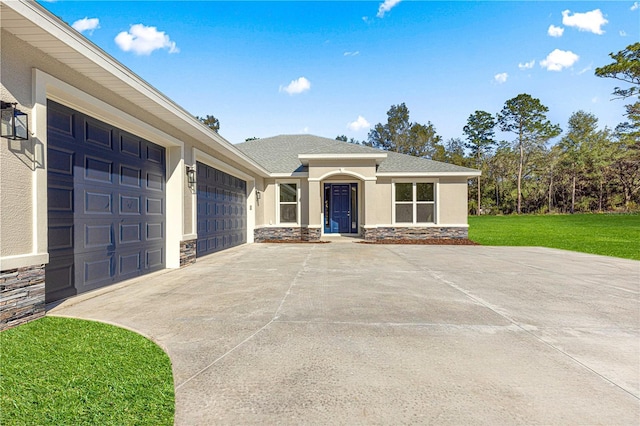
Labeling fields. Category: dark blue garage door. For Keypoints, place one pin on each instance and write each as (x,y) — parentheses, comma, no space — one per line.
(222,215)
(106,204)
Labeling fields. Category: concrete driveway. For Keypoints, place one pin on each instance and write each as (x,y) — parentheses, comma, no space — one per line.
(346,333)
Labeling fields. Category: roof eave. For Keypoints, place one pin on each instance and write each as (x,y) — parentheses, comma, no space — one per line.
(466,174)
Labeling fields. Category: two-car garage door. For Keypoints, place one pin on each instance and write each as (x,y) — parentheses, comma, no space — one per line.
(106,204)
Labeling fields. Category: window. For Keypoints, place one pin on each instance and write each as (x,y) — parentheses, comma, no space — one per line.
(414,202)
(288,202)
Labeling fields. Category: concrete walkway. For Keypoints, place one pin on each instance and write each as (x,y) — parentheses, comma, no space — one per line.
(346,333)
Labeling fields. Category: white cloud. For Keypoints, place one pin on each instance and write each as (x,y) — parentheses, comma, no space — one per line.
(501,78)
(559,59)
(386,6)
(143,40)
(527,65)
(305,130)
(594,100)
(588,21)
(359,124)
(86,24)
(356,53)
(297,86)
(635,6)
(623,33)
(554,31)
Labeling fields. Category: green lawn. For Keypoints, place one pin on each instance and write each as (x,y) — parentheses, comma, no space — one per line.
(607,234)
(61,371)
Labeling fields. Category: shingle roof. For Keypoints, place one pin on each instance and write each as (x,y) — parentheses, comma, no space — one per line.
(279,154)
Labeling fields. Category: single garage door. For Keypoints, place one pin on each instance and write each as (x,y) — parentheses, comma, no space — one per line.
(106,204)
(222,215)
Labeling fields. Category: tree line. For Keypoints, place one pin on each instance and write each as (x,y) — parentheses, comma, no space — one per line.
(590,169)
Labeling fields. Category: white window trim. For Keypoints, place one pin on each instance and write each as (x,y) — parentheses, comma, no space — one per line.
(436,203)
(277,200)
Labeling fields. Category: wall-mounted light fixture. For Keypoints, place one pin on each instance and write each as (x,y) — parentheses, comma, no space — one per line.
(191,177)
(14,123)
(257,194)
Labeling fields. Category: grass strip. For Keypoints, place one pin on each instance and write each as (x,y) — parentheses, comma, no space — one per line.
(62,371)
(616,235)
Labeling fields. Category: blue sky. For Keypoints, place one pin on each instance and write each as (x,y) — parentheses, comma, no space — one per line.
(330,68)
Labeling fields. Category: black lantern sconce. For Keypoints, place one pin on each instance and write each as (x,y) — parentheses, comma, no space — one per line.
(191,177)
(14,123)
(258,194)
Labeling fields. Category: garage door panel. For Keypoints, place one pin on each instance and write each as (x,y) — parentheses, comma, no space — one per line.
(61,122)
(155,231)
(110,205)
(154,206)
(131,146)
(60,161)
(221,213)
(97,235)
(60,279)
(98,202)
(98,134)
(130,233)
(60,197)
(98,169)
(130,204)
(130,176)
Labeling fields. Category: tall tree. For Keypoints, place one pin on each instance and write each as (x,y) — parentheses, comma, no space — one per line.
(399,134)
(480,139)
(581,132)
(211,122)
(626,68)
(526,117)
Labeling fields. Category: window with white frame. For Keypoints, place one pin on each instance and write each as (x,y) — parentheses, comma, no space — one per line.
(414,202)
(288,202)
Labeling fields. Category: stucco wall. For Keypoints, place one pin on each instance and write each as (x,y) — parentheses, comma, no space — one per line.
(453,201)
(350,168)
(16,157)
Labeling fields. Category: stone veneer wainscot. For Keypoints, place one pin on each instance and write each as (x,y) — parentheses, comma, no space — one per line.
(21,295)
(286,234)
(415,233)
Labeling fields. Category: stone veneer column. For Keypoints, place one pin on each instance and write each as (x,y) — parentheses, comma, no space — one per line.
(21,295)
(187,252)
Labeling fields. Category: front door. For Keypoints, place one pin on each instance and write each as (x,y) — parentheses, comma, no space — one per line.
(340,208)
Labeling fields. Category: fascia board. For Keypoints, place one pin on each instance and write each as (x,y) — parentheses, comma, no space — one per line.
(288,175)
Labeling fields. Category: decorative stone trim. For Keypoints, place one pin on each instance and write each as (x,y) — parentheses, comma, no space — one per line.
(286,234)
(311,234)
(187,252)
(414,233)
(21,295)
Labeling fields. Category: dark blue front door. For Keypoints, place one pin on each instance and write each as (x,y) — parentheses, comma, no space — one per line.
(340,208)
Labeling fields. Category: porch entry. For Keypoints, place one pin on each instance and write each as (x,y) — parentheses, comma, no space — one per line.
(340,208)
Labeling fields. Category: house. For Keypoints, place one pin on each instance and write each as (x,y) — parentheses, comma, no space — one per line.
(318,186)
(114,180)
